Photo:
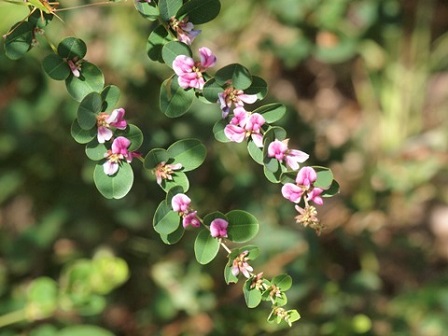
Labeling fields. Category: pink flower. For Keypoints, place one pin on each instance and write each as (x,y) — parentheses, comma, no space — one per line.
(304,187)
(190,72)
(218,228)
(292,157)
(105,121)
(234,97)
(164,171)
(243,125)
(75,66)
(181,204)
(118,152)
(240,264)
(184,29)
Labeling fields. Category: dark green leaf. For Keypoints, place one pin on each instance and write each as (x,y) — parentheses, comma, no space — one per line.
(258,87)
(190,153)
(236,74)
(332,190)
(156,40)
(83,330)
(169,8)
(173,49)
(19,40)
(72,47)
(110,96)
(211,90)
(175,101)
(88,110)
(91,80)
(178,179)
(147,10)
(218,131)
(166,221)
(154,157)
(255,152)
(80,135)
(55,67)
(200,11)
(134,134)
(242,226)
(173,237)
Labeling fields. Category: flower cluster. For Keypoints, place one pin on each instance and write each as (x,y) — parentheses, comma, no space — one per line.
(304,187)
(232,97)
(245,124)
(104,122)
(218,228)
(189,72)
(292,157)
(118,152)
(181,204)
(164,171)
(241,265)
(75,66)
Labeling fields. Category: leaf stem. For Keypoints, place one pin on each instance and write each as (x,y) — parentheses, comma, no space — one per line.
(13,317)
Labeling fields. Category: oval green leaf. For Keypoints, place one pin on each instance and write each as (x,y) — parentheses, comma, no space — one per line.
(55,67)
(173,237)
(205,247)
(200,11)
(91,80)
(324,177)
(252,296)
(179,179)
(165,221)
(88,109)
(154,157)
(211,90)
(156,40)
(173,49)
(72,47)
(255,152)
(271,112)
(237,74)
(147,10)
(175,101)
(95,151)
(19,40)
(190,153)
(116,186)
(243,226)
(169,8)
(80,135)
(218,131)
(258,87)
(110,96)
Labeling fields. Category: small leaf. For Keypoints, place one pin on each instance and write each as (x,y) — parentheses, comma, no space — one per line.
(190,153)
(242,226)
(147,10)
(200,11)
(156,40)
(218,131)
(72,47)
(169,8)
(173,192)
(255,152)
(211,90)
(175,101)
(212,216)
(19,40)
(205,247)
(236,74)
(95,151)
(252,296)
(258,87)
(110,96)
(271,112)
(173,237)
(116,186)
(273,177)
(173,49)
(178,179)
(332,190)
(55,67)
(80,135)
(88,110)
(282,281)
(228,275)
(274,132)
(154,157)
(166,221)
(324,177)
(91,80)
(134,134)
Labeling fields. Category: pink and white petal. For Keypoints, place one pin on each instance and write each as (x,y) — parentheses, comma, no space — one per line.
(110,167)
(116,118)
(306,176)
(314,196)
(104,134)
(120,145)
(292,192)
(258,139)
(183,64)
(248,99)
(207,58)
(235,133)
(298,155)
(180,202)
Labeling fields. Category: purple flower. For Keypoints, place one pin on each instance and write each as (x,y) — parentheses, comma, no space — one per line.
(292,157)
(184,29)
(105,121)
(118,152)
(240,265)
(190,72)
(191,219)
(243,125)
(75,66)
(234,97)
(304,187)
(218,228)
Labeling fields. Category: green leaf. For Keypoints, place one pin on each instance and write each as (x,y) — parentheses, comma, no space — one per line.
(273,133)
(173,237)
(178,179)
(324,177)
(282,281)
(19,40)
(258,87)
(147,10)
(72,47)
(83,330)
(134,134)
(95,151)
(274,177)
(156,40)
(242,226)
(211,90)
(255,152)
(110,96)
(166,221)
(332,190)
(116,186)
(80,135)
(42,296)
(205,247)
(252,296)
(173,192)
(175,101)
(209,218)
(169,8)
(271,112)
(173,49)
(91,80)
(218,131)
(88,110)
(39,19)
(228,276)
(154,157)
(237,74)
(190,153)
(200,11)
(55,67)
(293,316)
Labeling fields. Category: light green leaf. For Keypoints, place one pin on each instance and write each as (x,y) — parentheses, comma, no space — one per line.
(211,90)
(147,10)
(190,153)
(178,179)
(173,49)
(95,151)
(237,74)
(116,186)
(110,96)
(154,157)
(169,8)
(324,177)
(271,112)
(83,330)
(218,131)
(173,237)
(91,80)
(243,226)
(88,110)
(175,101)
(252,296)
(166,221)
(156,40)
(80,135)
(282,281)
(255,152)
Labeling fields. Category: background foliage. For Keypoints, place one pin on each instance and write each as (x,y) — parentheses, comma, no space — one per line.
(365,84)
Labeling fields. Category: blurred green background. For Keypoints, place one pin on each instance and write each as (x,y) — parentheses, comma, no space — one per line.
(366,85)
